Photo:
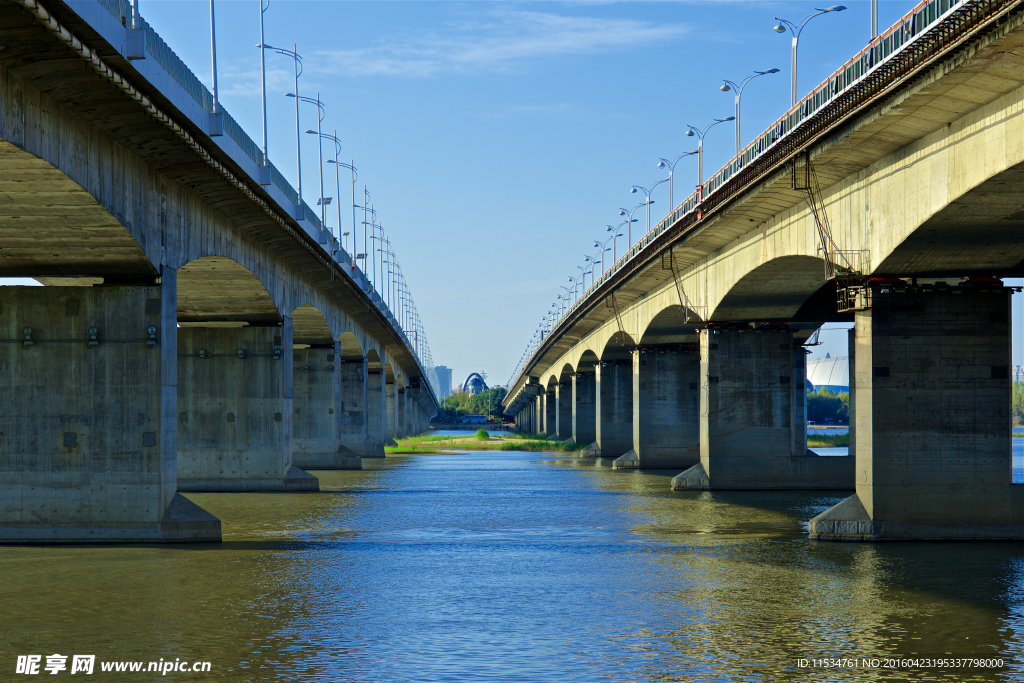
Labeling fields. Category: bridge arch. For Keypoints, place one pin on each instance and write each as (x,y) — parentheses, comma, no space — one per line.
(309,326)
(219,289)
(671,325)
(588,359)
(373,364)
(774,290)
(465,385)
(619,347)
(348,347)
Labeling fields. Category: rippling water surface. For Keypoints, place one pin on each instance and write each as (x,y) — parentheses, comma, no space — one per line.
(515,567)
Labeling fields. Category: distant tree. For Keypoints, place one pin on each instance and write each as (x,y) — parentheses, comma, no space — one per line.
(1018,404)
(823,405)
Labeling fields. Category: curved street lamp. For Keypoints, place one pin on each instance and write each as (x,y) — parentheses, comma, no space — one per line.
(615,229)
(647,193)
(728,85)
(629,220)
(603,246)
(355,176)
(297,64)
(797,29)
(321,112)
(700,144)
(671,166)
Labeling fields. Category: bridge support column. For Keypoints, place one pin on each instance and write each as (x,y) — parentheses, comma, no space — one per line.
(748,433)
(235,401)
(89,429)
(550,412)
(933,421)
(563,411)
(389,414)
(328,421)
(376,408)
(614,408)
(666,408)
(583,401)
(401,414)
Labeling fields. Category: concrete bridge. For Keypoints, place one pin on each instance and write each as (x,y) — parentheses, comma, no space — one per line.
(892,197)
(193,334)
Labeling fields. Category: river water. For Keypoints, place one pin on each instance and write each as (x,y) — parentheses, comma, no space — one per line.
(505,566)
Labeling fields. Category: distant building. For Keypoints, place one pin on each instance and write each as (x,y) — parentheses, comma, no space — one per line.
(474,384)
(831,373)
(1018,373)
(444,381)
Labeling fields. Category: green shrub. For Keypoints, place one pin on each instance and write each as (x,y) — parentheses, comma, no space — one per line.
(482,434)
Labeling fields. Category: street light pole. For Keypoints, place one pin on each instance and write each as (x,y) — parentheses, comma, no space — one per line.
(700,145)
(647,193)
(263,79)
(671,166)
(629,220)
(615,241)
(321,112)
(797,29)
(730,85)
(297,64)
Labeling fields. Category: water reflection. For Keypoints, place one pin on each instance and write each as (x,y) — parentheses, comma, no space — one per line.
(516,567)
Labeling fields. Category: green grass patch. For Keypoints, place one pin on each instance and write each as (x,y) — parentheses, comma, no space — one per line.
(828,440)
(474,442)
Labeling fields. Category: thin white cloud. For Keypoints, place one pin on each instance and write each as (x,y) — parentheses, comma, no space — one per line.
(504,42)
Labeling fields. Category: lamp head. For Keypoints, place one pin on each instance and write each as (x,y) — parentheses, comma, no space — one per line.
(837,8)
(622,212)
(311,132)
(769,71)
(661,164)
(633,191)
(730,118)
(725,87)
(289,94)
(779,28)
(689,133)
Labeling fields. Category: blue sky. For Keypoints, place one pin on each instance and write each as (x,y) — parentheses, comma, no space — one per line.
(499,139)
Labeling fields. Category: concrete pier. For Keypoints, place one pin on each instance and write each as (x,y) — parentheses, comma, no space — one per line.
(389,414)
(584,401)
(376,408)
(550,410)
(563,410)
(88,426)
(235,400)
(749,436)
(932,419)
(666,408)
(328,418)
(614,407)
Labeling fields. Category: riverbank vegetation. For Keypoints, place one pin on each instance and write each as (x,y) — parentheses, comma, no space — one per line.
(429,443)
(827,440)
(824,405)
(460,403)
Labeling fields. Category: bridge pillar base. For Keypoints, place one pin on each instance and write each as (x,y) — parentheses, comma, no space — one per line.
(591,451)
(747,473)
(932,418)
(183,522)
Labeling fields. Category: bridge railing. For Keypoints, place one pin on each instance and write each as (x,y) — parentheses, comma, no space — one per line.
(162,54)
(894,40)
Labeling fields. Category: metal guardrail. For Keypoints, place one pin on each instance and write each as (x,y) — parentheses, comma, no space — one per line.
(900,37)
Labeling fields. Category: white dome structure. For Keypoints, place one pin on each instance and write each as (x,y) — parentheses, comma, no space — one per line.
(831,373)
